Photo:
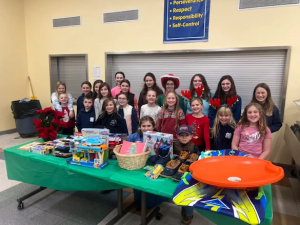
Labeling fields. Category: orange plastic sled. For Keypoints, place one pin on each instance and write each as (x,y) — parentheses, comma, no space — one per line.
(236,172)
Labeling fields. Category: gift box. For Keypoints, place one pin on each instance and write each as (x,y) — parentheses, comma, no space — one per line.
(156,139)
(87,131)
(115,139)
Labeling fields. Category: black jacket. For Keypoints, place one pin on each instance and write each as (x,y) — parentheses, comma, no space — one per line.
(80,102)
(224,138)
(85,119)
(114,122)
(274,121)
(131,99)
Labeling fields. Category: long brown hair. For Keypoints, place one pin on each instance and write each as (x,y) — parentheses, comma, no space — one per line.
(105,103)
(95,95)
(143,120)
(206,93)
(216,127)
(269,104)
(221,94)
(155,87)
(176,110)
(261,123)
(104,84)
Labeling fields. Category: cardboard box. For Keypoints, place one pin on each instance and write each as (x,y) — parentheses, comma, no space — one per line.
(156,139)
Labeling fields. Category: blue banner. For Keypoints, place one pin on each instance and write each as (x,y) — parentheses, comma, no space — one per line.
(186,20)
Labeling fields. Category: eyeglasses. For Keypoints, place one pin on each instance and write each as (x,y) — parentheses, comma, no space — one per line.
(122,99)
(169,84)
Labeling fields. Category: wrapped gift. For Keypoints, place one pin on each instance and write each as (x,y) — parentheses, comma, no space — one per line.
(115,139)
(87,131)
(156,139)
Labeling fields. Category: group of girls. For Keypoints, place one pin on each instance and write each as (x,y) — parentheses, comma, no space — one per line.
(215,118)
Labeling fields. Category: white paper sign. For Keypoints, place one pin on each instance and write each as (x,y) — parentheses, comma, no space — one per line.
(96,73)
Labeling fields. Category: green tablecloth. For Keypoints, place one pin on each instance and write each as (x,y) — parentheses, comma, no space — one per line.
(53,172)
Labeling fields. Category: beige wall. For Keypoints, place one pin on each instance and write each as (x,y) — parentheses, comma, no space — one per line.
(229,28)
(13,59)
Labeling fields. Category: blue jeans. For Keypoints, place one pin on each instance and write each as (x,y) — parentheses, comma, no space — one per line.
(189,210)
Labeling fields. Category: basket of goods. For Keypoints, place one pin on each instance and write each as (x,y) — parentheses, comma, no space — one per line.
(132,156)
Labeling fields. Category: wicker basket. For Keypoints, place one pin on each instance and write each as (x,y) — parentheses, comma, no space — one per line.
(131,162)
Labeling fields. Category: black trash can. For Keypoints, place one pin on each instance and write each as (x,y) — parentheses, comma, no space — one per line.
(24,113)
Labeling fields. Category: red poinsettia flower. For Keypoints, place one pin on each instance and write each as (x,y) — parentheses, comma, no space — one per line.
(57,123)
(45,110)
(44,133)
(38,124)
(52,133)
(58,114)
(49,123)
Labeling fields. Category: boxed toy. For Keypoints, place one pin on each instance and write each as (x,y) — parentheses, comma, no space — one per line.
(156,139)
(116,139)
(41,149)
(87,131)
(32,144)
(91,152)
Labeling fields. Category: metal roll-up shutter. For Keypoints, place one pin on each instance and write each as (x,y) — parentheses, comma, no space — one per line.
(70,69)
(248,68)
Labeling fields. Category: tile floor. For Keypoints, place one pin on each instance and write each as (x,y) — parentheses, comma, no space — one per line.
(64,208)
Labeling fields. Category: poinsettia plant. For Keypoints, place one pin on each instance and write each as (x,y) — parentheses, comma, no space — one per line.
(49,123)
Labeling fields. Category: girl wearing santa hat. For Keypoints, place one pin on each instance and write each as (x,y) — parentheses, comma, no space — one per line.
(170,83)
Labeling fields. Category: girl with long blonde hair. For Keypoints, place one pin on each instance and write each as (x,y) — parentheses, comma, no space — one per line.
(61,88)
(223,129)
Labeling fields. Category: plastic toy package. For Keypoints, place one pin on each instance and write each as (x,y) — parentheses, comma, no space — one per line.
(88,131)
(91,152)
(41,149)
(154,173)
(35,143)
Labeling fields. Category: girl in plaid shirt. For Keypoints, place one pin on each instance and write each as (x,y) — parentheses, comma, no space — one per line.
(171,115)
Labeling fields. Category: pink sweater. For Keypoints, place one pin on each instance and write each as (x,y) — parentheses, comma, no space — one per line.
(116,90)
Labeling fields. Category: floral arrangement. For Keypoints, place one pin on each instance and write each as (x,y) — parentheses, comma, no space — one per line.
(49,123)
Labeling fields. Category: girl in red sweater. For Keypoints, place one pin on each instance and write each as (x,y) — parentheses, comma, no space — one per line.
(199,124)
(171,116)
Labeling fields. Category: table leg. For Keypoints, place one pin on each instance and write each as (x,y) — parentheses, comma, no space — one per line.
(120,202)
(20,200)
(121,213)
(155,212)
(143,208)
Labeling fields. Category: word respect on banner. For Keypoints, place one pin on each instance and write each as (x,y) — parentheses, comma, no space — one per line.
(186,20)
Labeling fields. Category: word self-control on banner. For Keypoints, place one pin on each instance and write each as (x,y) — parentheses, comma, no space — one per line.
(186,20)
